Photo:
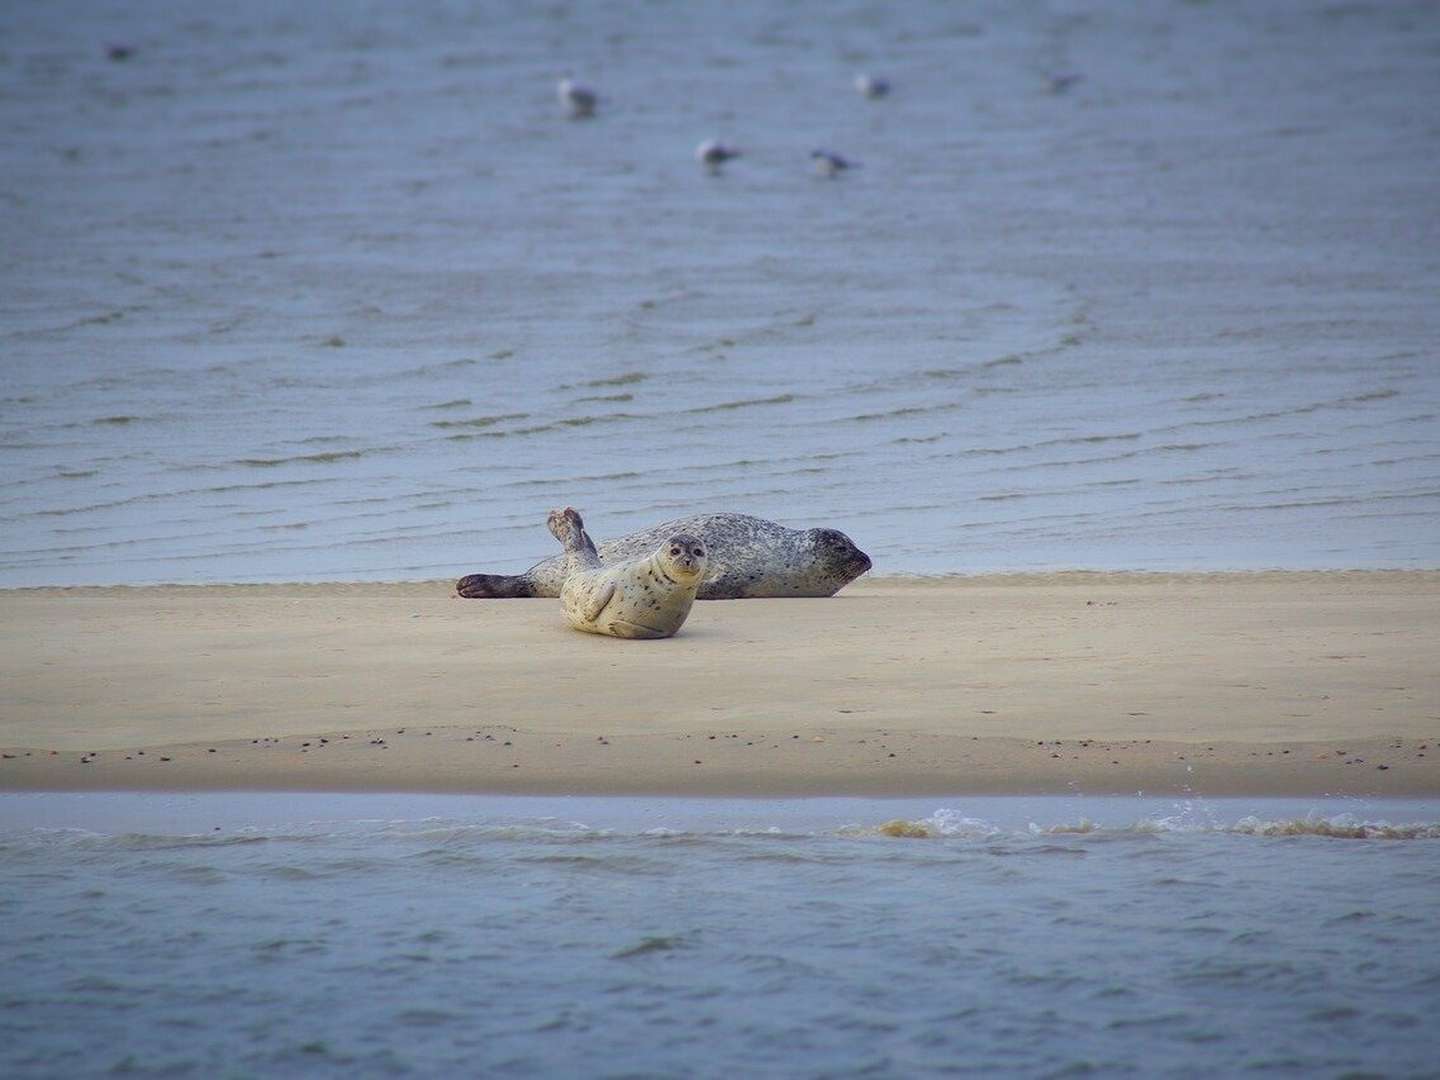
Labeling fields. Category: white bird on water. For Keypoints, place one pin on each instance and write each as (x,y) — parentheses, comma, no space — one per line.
(831,165)
(872,86)
(579,99)
(712,153)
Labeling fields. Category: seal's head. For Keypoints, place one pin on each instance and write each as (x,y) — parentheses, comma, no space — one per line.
(684,557)
(837,557)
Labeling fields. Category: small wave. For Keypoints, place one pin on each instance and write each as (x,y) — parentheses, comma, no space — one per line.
(1127,482)
(942,823)
(647,945)
(743,403)
(458,403)
(1298,504)
(1080,440)
(737,464)
(902,828)
(324,458)
(1341,827)
(476,421)
(586,421)
(167,495)
(444,367)
(629,378)
(1347,402)
(906,410)
(88,839)
(554,425)
(952,824)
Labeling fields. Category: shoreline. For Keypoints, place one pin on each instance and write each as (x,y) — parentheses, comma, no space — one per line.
(250,813)
(1283,683)
(661,766)
(898,579)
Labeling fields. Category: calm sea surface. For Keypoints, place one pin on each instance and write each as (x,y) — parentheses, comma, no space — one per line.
(300,292)
(226,935)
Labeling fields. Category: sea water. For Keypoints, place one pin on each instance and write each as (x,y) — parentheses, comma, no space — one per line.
(358,936)
(314,292)
(307,292)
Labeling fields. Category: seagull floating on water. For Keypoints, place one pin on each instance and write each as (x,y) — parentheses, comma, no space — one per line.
(712,153)
(872,86)
(579,99)
(831,165)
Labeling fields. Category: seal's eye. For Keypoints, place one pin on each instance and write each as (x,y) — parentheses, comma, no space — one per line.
(674,551)
(698,552)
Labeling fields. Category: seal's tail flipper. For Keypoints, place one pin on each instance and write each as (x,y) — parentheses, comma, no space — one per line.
(493,587)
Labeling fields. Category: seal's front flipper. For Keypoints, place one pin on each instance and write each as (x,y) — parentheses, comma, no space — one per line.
(598,601)
(621,628)
(493,587)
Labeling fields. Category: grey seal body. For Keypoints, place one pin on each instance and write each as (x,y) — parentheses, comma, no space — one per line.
(746,557)
(645,597)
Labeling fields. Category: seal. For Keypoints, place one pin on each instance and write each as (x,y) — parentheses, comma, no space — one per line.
(645,597)
(746,557)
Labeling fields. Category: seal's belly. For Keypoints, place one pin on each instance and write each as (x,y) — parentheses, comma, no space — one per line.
(634,610)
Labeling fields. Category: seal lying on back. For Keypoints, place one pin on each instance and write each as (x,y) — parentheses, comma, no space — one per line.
(646,597)
(746,556)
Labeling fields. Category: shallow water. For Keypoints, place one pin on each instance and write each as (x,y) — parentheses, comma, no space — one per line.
(292,293)
(240,935)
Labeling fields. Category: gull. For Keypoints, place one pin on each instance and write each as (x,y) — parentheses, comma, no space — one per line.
(831,165)
(579,99)
(712,153)
(872,86)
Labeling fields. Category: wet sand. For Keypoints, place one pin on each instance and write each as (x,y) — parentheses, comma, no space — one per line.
(1212,684)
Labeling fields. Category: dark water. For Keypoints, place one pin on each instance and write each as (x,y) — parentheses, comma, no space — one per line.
(375,936)
(306,292)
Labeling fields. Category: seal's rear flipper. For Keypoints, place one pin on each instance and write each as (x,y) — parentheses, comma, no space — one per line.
(493,587)
(565,525)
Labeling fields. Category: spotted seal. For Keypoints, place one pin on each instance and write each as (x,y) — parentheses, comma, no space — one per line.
(747,557)
(645,597)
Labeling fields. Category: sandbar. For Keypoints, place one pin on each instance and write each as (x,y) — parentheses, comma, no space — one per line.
(1274,683)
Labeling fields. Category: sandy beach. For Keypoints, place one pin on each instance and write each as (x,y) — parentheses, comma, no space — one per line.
(1217,684)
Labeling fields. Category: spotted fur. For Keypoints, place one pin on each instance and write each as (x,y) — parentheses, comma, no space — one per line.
(645,597)
(746,557)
